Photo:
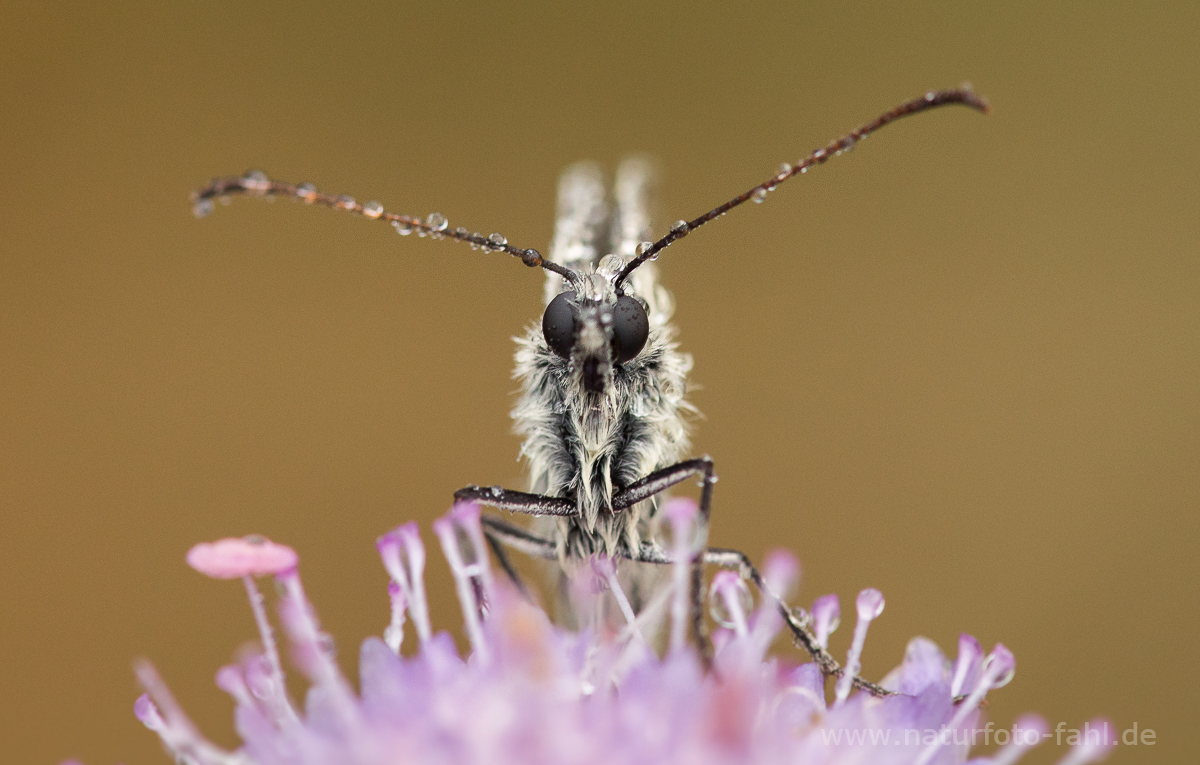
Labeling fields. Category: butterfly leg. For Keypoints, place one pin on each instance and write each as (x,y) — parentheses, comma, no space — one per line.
(501,534)
(797,621)
(516,501)
(498,532)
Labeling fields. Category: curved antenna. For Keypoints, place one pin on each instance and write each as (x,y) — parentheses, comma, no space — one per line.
(963,95)
(256,183)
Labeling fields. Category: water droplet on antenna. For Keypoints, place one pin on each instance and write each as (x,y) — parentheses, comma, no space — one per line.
(307,192)
(642,248)
(610,265)
(372,209)
(256,181)
(436,221)
(403,228)
(759,196)
(679,227)
(497,240)
(345,202)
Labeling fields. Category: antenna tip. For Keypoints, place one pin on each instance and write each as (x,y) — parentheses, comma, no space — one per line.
(968,97)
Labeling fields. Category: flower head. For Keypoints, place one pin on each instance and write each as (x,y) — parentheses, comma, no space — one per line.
(533,692)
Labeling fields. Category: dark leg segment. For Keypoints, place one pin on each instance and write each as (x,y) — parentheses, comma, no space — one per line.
(518,538)
(505,563)
(499,532)
(661,480)
(516,501)
(798,623)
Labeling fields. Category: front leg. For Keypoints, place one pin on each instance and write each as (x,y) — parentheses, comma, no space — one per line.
(661,480)
(516,501)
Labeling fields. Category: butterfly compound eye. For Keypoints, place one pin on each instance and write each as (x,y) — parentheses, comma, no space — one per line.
(558,324)
(630,329)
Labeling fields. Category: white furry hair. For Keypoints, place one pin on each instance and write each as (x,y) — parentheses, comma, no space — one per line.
(583,444)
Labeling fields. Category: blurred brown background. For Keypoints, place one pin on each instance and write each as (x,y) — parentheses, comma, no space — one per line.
(959,364)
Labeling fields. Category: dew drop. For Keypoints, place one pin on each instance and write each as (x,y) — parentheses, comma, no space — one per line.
(531,257)
(436,221)
(679,227)
(372,209)
(610,265)
(202,208)
(1006,678)
(256,181)
(460,231)
(785,168)
(643,247)
(345,202)
(496,491)
(719,608)
(307,192)
(820,155)
(497,240)
(930,96)
(403,228)
(759,196)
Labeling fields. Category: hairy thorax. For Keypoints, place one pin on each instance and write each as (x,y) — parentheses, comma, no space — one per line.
(585,446)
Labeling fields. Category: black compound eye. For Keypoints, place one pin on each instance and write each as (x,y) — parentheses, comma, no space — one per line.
(558,324)
(630,329)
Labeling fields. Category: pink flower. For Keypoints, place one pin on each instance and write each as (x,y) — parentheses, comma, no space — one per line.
(531,692)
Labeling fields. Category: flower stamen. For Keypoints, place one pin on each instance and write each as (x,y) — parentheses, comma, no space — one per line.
(869,605)
(472,603)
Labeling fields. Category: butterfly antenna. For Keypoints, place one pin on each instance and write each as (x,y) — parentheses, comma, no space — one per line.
(934,98)
(256,184)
